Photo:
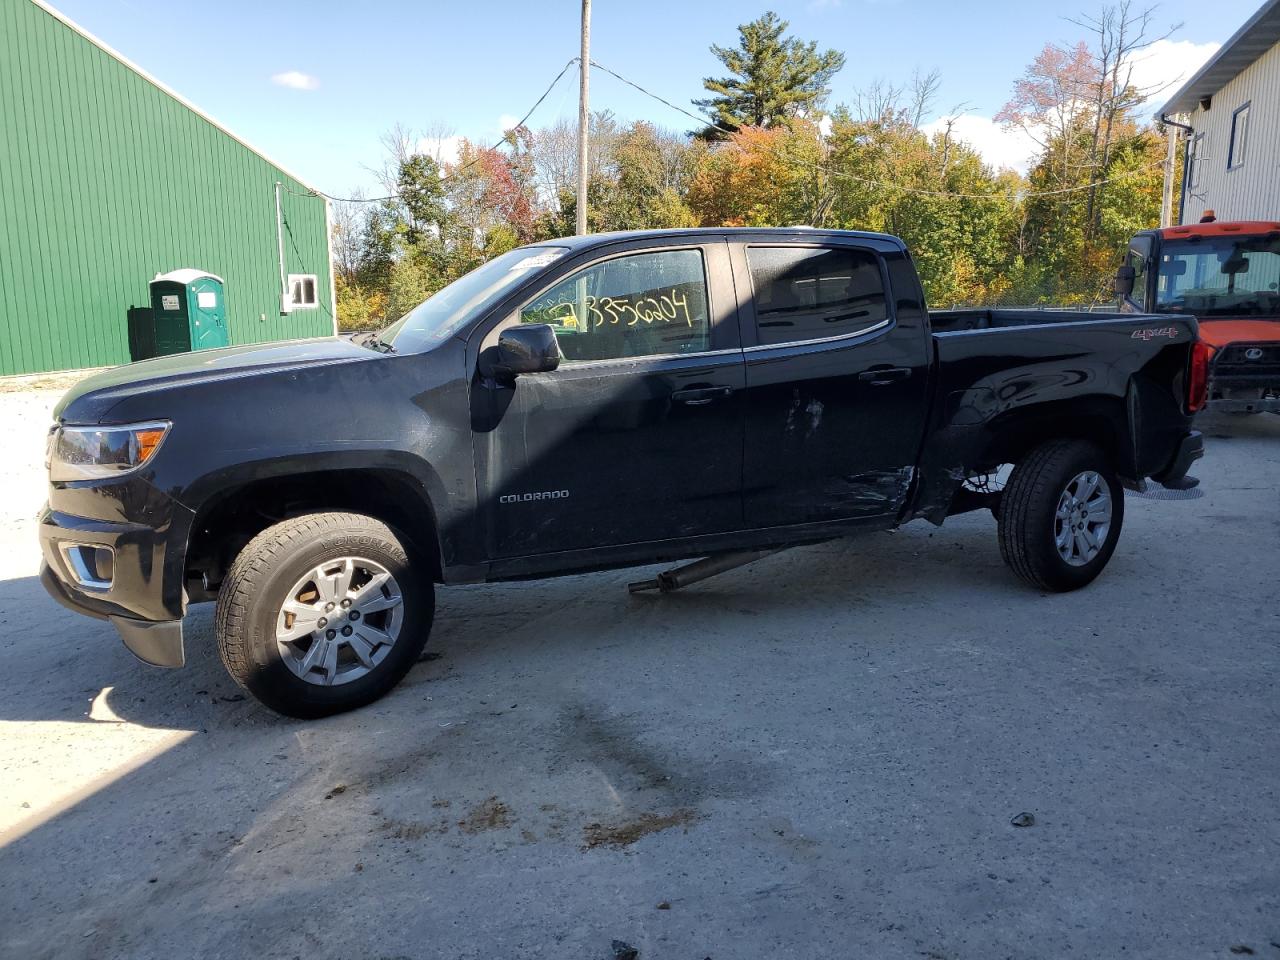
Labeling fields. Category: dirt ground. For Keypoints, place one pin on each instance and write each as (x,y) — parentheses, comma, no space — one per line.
(820,755)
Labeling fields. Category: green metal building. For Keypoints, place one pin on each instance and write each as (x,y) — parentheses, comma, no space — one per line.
(108,178)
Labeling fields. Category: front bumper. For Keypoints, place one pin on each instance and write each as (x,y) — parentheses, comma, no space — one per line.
(1244,377)
(156,643)
(144,596)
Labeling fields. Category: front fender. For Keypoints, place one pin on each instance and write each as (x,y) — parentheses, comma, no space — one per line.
(448,509)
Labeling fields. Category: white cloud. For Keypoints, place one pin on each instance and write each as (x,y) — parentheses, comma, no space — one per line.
(506,122)
(1167,64)
(440,149)
(295,80)
(1012,148)
(1158,70)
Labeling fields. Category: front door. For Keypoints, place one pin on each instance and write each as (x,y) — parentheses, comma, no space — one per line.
(637,436)
(836,380)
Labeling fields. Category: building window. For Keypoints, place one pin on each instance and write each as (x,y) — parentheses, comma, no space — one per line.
(302,291)
(1239,137)
(1195,161)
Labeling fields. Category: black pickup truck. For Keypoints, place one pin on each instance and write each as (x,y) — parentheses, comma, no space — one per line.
(595,402)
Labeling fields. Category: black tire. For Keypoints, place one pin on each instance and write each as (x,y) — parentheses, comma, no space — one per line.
(252,596)
(1028,507)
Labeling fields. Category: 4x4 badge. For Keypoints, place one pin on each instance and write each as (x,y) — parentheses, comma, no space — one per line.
(1150,333)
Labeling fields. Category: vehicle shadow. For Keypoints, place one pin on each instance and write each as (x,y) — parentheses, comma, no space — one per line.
(61,666)
(565,720)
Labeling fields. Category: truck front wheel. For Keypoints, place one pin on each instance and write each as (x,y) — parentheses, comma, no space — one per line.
(1060,515)
(323,613)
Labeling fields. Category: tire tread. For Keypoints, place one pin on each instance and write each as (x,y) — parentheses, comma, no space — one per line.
(1035,479)
(255,563)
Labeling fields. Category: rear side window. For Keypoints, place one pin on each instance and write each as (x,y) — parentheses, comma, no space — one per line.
(646,304)
(808,293)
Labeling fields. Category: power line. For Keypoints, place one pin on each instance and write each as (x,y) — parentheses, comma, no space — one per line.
(458,171)
(649,93)
(880,183)
(301,259)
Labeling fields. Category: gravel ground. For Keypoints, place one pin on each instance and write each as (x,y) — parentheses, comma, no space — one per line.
(820,755)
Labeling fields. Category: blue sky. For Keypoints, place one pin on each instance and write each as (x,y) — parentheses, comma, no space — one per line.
(463,68)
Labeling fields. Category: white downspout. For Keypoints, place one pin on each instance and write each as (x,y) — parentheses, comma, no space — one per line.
(328,246)
(284,284)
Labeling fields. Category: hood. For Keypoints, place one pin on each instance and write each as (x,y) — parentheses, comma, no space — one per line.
(90,400)
(1219,333)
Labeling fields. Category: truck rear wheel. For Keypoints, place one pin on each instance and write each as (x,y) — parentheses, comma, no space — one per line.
(1060,515)
(323,613)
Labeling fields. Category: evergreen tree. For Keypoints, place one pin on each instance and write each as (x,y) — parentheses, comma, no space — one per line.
(772,77)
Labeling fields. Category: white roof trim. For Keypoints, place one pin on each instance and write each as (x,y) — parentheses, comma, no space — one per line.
(64,19)
(1244,48)
(186,275)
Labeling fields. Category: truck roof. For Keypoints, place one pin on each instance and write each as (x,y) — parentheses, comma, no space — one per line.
(1218,228)
(796,232)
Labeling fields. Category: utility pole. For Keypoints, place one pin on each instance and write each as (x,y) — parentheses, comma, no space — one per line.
(1166,202)
(584,118)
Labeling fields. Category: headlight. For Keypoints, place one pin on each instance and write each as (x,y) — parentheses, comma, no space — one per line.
(90,453)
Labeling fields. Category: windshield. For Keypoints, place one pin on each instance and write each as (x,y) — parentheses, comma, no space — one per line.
(1221,277)
(446,312)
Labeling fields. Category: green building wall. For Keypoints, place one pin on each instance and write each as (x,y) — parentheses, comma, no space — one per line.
(107,180)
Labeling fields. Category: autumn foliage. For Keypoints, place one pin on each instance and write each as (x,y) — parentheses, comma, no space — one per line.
(978,235)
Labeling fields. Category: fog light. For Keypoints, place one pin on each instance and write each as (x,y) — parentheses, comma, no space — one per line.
(93,567)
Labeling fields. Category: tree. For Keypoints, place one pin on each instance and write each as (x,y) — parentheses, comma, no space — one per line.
(757,177)
(422,195)
(772,78)
(1096,179)
(488,189)
(650,171)
(347,242)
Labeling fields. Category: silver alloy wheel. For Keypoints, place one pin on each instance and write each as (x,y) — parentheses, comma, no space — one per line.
(1082,522)
(339,621)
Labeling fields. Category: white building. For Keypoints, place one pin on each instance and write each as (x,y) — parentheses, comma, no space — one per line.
(1233,108)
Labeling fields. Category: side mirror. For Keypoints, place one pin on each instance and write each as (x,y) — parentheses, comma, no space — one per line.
(1124,281)
(527,348)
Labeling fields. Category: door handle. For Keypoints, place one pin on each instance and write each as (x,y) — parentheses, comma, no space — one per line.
(700,396)
(880,376)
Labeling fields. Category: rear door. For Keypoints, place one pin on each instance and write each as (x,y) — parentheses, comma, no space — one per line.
(836,373)
(637,437)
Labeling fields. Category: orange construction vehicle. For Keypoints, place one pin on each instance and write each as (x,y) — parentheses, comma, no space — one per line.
(1227,275)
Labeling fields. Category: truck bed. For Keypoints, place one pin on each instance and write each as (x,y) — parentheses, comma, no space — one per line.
(1019,375)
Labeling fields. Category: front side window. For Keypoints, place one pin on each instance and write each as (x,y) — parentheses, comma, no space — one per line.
(642,305)
(807,293)
(1138,260)
(1220,276)
(1239,137)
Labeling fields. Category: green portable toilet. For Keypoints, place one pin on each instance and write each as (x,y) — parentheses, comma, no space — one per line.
(189,312)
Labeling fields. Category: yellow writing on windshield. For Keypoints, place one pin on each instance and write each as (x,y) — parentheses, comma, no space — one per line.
(671,306)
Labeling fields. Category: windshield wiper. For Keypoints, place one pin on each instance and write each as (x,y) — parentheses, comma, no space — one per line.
(374,342)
